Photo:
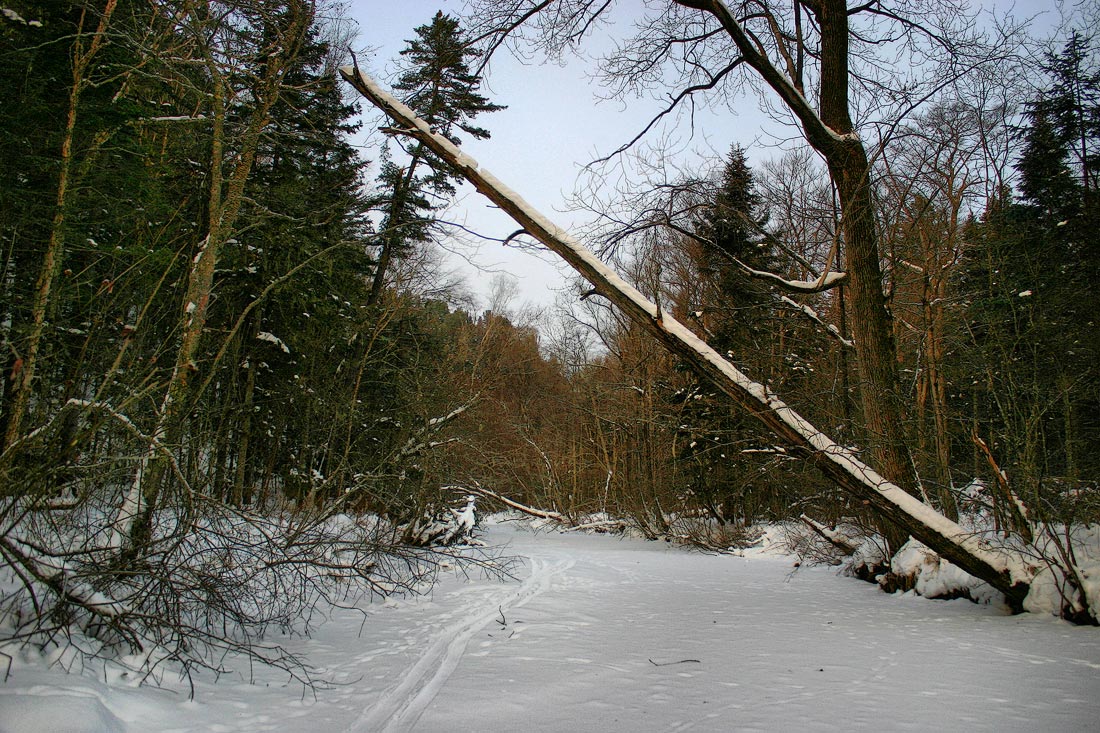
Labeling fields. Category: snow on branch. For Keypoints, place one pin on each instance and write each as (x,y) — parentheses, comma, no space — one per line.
(273,339)
(418,442)
(438,422)
(529,510)
(837,539)
(826,281)
(813,316)
(174,118)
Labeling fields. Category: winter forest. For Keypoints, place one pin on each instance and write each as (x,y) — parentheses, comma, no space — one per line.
(242,386)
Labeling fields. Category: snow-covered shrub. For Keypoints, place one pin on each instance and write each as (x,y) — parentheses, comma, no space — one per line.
(859,552)
(447,527)
(203,586)
(207,580)
(707,534)
(1057,531)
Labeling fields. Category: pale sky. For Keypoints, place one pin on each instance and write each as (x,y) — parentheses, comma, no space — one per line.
(552,127)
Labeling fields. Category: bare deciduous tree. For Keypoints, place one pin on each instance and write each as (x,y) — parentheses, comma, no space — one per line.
(819,65)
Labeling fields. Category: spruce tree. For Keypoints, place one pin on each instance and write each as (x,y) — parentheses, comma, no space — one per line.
(732,224)
(1070,104)
(736,311)
(1031,294)
(308,217)
(438,84)
(96,197)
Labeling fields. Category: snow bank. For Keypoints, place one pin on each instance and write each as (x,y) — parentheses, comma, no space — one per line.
(50,708)
(933,577)
(915,568)
(1050,589)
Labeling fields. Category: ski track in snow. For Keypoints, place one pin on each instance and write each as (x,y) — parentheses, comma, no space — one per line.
(401,706)
(619,635)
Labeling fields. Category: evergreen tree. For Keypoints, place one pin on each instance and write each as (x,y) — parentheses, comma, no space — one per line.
(439,86)
(1032,301)
(308,217)
(731,225)
(1045,178)
(1070,105)
(736,311)
(95,200)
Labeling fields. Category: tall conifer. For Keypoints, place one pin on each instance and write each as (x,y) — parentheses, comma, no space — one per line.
(438,84)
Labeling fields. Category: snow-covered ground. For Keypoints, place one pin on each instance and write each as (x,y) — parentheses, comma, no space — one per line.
(603,634)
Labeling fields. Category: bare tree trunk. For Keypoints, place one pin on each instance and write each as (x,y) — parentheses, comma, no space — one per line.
(1005,570)
(935,384)
(242,490)
(842,353)
(225,198)
(870,321)
(51,261)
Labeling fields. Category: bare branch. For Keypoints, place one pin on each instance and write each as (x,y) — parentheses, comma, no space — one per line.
(673,104)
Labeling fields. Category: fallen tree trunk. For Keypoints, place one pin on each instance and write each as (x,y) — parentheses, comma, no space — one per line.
(513,504)
(1006,570)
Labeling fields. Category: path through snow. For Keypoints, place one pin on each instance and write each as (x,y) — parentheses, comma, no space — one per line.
(399,707)
(622,635)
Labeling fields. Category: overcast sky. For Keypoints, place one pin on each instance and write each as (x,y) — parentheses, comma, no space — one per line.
(552,127)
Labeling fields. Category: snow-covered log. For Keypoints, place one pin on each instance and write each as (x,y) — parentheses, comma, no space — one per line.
(513,504)
(839,540)
(1006,570)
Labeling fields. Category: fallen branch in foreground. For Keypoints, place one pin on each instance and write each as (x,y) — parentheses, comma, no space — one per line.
(603,524)
(834,538)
